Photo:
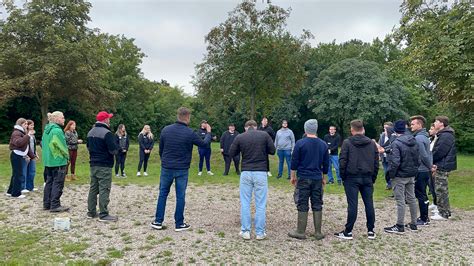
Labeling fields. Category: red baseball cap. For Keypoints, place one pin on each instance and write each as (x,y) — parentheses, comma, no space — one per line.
(101,116)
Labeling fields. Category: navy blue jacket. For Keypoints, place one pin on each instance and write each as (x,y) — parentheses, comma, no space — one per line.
(176,145)
(146,143)
(101,146)
(202,132)
(310,158)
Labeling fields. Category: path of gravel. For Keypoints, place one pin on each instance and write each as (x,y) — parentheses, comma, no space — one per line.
(213,212)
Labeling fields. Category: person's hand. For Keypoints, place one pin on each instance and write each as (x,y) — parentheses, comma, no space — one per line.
(31,132)
(208,128)
(124,150)
(222,150)
(380,149)
(214,138)
(293,180)
(79,141)
(324,180)
(434,168)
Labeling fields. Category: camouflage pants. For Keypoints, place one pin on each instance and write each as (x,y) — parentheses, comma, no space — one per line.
(442,193)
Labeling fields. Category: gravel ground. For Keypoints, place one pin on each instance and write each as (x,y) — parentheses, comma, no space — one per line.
(213,212)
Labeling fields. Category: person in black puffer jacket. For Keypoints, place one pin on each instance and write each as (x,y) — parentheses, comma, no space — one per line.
(403,167)
(444,161)
(146,142)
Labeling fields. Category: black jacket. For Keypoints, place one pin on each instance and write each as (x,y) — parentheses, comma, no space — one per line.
(145,142)
(359,158)
(333,143)
(444,150)
(226,141)
(101,146)
(269,130)
(403,159)
(122,142)
(255,146)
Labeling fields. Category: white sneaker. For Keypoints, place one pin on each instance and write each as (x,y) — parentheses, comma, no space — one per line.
(200,174)
(261,237)
(432,206)
(35,189)
(438,217)
(44,184)
(435,210)
(245,235)
(116,175)
(210,173)
(139,174)
(25,191)
(269,173)
(8,194)
(145,173)
(21,197)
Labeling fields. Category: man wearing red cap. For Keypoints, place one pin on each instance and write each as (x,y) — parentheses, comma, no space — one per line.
(102,148)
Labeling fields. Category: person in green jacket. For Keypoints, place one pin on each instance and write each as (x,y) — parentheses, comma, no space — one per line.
(55,157)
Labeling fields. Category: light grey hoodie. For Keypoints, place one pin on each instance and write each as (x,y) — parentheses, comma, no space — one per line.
(285,139)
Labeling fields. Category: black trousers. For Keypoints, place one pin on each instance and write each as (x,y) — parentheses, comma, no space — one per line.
(143,160)
(228,160)
(120,162)
(54,186)
(17,175)
(421,182)
(352,187)
(431,185)
(307,189)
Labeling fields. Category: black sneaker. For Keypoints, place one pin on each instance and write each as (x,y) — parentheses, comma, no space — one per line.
(411,227)
(371,235)
(157,226)
(330,182)
(278,176)
(60,209)
(396,229)
(108,218)
(92,215)
(182,227)
(344,235)
(420,222)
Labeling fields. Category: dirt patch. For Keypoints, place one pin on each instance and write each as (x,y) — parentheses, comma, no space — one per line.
(214,213)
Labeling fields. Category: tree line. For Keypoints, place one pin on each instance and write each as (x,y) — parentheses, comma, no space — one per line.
(253,67)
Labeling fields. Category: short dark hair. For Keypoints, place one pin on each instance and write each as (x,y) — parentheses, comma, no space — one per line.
(284,120)
(333,127)
(29,121)
(251,123)
(357,125)
(421,119)
(231,125)
(388,123)
(183,112)
(443,119)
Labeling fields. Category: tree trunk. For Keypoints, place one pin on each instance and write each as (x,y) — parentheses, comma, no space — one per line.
(252,104)
(44,113)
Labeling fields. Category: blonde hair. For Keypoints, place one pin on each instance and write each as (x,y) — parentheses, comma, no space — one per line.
(55,116)
(149,133)
(20,121)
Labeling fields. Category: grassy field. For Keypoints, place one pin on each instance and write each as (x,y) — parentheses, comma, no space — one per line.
(460,181)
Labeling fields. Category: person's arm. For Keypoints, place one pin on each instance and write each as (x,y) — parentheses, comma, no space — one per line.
(276,140)
(140,142)
(196,139)
(21,141)
(223,140)
(127,143)
(150,147)
(376,163)
(58,145)
(161,145)
(325,164)
(343,158)
(295,160)
(394,161)
(270,147)
(442,147)
(424,156)
(110,142)
(292,137)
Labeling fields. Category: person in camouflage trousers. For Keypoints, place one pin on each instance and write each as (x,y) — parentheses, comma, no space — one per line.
(444,161)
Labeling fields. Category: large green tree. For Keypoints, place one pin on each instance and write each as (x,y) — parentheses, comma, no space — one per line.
(251,60)
(48,53)
(438,37)
(356,89)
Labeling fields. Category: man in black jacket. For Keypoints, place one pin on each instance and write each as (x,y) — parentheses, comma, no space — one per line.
(255,146)
(102,148)
(226,140)
(444,161)
(403,167)
(359,166)
(333,139)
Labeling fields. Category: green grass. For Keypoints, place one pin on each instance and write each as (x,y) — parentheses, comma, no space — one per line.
(460,181)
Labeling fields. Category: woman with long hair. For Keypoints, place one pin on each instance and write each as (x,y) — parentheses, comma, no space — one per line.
(121,139)
(29,169)
(72,141)
(145,140)
(19,142)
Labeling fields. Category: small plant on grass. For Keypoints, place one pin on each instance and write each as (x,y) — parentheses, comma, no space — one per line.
(221,234)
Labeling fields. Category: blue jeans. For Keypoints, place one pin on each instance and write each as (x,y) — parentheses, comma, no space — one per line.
(253,182)
(204,153)
(385,170)
(29,171)
(334,160)
(166,180)
(284,155)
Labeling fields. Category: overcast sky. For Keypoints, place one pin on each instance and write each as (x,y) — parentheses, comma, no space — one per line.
(171,33)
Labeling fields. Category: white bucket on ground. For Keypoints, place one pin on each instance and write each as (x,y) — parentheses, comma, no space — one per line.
(62,223)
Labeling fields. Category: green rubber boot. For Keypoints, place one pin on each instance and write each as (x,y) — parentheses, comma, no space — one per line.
(318,219)
(301,229)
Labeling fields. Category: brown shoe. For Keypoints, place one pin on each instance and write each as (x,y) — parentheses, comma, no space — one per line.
(68,178)
(73,177)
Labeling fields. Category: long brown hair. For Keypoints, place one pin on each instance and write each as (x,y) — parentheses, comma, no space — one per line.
(68,126)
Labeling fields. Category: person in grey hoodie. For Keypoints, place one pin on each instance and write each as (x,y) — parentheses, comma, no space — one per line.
(284,143)
(423,176)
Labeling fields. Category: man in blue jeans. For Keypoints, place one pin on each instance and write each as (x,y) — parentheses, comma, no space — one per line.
(332,140)
(255,146)
(284,143)
(176,148)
